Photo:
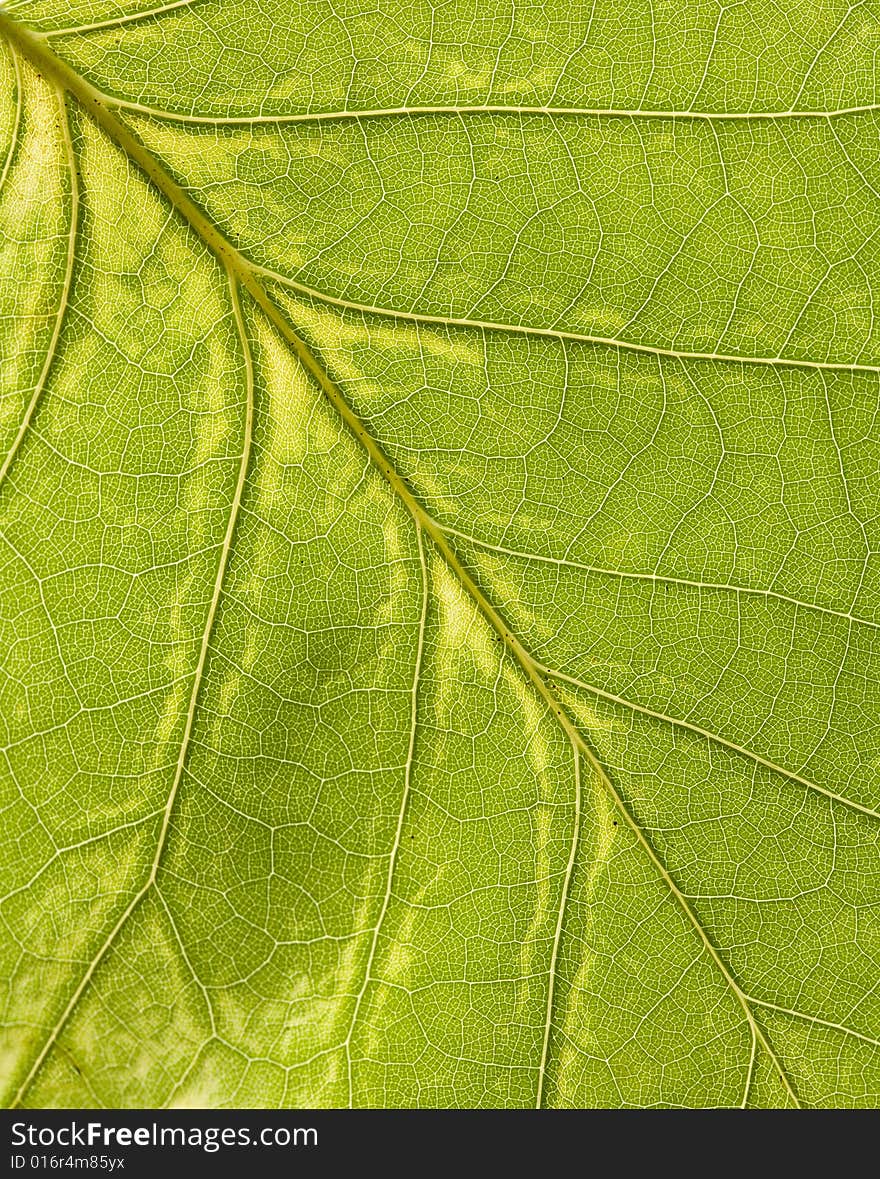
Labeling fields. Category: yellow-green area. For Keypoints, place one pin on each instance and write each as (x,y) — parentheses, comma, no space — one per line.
(439,533)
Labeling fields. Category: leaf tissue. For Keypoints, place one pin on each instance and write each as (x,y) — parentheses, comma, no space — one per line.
(440,548)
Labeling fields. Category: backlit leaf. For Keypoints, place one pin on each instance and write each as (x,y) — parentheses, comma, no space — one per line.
(439,532)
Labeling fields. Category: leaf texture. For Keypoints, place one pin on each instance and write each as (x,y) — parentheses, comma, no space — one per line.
(439,539)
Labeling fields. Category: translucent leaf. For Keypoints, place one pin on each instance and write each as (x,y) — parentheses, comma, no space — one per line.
(439,538)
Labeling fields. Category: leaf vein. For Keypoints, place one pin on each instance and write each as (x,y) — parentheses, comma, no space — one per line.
(708,735)
(64,297)
(162,840)
(560,333)
(395,847)
(661,578)
(239,271)
(494,109)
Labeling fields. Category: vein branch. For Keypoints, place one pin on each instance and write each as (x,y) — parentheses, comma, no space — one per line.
(708,735)
(222,565)
(560,926)
(241,272)
(198,676)
(66,285)
(127,18)
(456,111)
(554,333)
(662,578)
(815,1019)
(395,847)
(16,123)
(750,1071)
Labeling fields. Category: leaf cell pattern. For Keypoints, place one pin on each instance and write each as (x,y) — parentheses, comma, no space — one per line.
(441,553)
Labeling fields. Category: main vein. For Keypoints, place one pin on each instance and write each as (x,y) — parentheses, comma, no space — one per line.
(242,274)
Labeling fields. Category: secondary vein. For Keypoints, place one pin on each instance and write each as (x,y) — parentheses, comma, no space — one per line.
(560,926)
(395,848)
(34,47)
(491,325)
(16,122)
(476,109)
(64,297)
(165,827)
(662,578)
(708,735)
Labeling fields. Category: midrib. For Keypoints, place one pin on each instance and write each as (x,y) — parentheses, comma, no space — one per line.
(35,48)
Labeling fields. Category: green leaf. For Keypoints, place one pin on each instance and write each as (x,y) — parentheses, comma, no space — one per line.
(440,531)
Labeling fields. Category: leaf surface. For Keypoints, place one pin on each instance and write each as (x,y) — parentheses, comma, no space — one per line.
(439,531)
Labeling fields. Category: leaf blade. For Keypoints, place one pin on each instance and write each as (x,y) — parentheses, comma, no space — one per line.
(486,601)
